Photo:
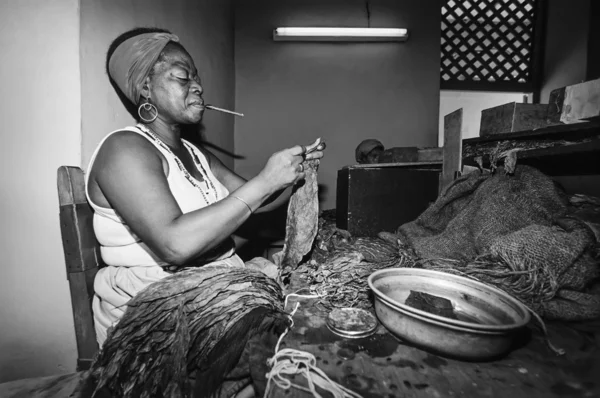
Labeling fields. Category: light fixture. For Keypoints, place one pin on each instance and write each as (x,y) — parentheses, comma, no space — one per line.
(340,34)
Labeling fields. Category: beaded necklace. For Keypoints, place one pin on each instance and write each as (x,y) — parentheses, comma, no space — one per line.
(207,181)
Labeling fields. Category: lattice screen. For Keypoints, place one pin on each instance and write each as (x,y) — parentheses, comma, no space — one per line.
(488,41)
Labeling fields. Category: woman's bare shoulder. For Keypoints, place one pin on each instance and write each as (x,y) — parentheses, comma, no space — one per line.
(125,141)
(127,145)
(126,150)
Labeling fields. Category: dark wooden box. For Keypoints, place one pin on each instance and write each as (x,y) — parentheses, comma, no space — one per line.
(512,117)
(372,199)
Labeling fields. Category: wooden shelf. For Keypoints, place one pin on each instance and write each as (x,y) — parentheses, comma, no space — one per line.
(576,131)
(578,159)
(575,148)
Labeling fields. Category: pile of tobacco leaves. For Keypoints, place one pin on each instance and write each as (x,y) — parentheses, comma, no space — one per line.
(197,321)
(339,264)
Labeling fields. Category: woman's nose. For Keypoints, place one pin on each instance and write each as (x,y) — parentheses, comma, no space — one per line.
(197,87)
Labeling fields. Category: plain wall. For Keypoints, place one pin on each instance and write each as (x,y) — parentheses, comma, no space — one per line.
(40,109)
(292,93)
(565,51)
(57,105)
(593,55)
(566,63)
(204,27)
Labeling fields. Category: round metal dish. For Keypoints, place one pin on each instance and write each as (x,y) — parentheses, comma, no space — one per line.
(487,318)
(353,323)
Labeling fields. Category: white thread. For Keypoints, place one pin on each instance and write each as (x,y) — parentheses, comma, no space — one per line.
(556,350)
(292,362)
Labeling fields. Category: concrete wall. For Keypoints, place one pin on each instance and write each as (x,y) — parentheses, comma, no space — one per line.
(565,63)
(565,58)
(204,27)
(293,93)
(593,55)
(40,109)
(57,105)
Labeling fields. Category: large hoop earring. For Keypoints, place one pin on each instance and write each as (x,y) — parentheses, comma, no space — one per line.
(151,109)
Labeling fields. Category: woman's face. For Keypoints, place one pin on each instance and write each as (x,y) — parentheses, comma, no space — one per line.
(175,88)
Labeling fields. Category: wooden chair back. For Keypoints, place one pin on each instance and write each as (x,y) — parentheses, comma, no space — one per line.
(82,258)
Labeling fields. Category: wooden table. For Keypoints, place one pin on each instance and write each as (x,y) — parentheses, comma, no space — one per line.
(383,366)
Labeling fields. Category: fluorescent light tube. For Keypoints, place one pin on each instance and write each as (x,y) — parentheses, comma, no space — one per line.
(340,34)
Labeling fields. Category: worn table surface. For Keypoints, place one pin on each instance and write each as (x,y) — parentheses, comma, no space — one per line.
(383,366)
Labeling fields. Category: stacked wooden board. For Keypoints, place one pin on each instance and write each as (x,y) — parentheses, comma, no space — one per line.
(571,104)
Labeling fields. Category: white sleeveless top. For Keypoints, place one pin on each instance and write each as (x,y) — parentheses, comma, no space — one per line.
(131,265)
(119,246)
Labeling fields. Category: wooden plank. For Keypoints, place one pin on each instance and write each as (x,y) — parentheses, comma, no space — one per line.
(496,120)
(89,246)
(71,185)
(82,257)
(81,285)
(81,250)
(70,237)
(575,159)
(555,104)
(80,247)
(563,131)
(512,117)
(452,147)
(582,102)
(576,149)
(425,165)
(529,116)
(431,154)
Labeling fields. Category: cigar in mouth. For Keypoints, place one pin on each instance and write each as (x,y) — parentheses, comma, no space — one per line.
(214,108)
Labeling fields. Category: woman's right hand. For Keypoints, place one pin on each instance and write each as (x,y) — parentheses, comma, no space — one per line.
(284,169)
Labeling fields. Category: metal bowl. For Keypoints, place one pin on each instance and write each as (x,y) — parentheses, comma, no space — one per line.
(487,318)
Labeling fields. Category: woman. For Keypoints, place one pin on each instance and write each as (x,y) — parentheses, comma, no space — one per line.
(160,201)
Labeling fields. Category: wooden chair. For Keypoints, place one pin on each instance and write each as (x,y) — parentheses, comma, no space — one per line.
(82,258)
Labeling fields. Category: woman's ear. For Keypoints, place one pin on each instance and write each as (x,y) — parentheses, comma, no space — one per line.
(145,91)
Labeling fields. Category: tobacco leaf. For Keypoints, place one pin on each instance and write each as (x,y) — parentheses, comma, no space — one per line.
(302,220)
(197,320)
(340,264)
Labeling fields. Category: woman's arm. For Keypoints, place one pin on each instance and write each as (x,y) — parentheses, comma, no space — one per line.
(129,172)
(232,181)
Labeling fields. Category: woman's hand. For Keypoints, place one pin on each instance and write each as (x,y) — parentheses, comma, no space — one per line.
(284,168)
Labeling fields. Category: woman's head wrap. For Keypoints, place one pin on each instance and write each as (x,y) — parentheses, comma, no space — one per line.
(363,149)
(132,61)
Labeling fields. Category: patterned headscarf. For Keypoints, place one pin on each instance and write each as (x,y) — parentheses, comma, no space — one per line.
(133,60)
